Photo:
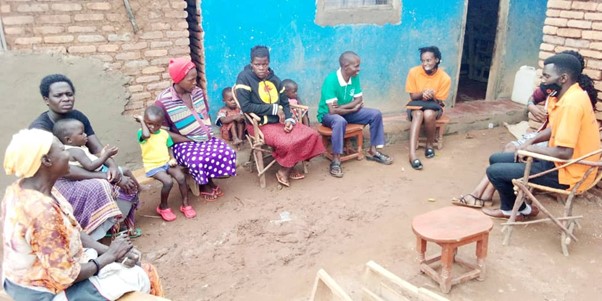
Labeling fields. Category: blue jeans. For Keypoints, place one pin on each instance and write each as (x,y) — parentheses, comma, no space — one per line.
(503,170)
(338,123)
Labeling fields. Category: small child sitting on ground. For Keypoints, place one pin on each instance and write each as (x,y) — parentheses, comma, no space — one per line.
(71,133)
(159,162)
(230,119)
(290,89)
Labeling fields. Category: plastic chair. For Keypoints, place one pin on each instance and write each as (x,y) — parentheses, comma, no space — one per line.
(567,221)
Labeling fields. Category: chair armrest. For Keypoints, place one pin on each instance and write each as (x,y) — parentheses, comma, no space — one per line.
(299,107)
(540,156)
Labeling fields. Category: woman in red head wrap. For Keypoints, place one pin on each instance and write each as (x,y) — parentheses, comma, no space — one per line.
(186,117)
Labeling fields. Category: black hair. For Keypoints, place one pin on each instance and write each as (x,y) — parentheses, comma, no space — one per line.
(577,55)
(346,56)
(154,111)
(64,127)
(260,51)
(571,64)
(226,90)
(48,80)
(432,49)
(289,83)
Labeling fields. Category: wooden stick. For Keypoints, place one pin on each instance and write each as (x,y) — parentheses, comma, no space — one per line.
(128,9)
(542,220)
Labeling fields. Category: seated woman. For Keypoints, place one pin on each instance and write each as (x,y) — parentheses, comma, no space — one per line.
(428,87)
(47,256)
(260,91)
(90,193)
(186,118)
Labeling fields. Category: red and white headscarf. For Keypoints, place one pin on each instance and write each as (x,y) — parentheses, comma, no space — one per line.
(178,68)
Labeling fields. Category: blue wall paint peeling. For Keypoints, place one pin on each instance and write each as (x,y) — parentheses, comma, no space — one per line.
(307,52)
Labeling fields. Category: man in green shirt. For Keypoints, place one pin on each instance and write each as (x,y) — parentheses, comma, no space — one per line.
(342,103)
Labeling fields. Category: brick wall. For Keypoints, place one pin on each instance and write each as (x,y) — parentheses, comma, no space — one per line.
(102,30)
(576,25)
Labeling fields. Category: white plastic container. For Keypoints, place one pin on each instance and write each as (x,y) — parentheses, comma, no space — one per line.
(524,84)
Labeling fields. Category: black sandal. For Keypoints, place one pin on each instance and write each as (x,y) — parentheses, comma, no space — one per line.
(335,169)
(380,158)
(416,164)
(429,152)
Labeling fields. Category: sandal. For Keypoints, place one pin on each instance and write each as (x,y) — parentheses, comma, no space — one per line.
(188,211)
(135,232)
(464,201)
(416,164)
(295,175)
(166,214)
(335,169)
(429,152)
(283,182)
(209,196)
(380,158)
(218,191)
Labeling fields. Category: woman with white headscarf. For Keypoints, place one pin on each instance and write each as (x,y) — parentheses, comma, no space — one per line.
(43,244)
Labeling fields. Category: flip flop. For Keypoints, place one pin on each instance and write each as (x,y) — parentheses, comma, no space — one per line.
(188,211)
(135,233)
(429,152)
(295,175)
(416,164)
(281,181)
(166,214)
(463,201)
(380,158)
(335,169)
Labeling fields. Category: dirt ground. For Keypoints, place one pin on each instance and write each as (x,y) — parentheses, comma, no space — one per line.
(238,249)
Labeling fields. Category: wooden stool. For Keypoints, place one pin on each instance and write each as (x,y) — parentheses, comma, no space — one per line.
(351,131)
(450,228)
(439,132)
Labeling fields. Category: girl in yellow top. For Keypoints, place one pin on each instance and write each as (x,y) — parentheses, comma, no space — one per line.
(159,162)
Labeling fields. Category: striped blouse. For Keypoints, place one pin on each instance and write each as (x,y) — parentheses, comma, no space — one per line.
(180,119)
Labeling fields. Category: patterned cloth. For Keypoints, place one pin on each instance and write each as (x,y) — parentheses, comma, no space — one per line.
(302,143)
(206,157)
(41,241)
(93,202)
(210,159)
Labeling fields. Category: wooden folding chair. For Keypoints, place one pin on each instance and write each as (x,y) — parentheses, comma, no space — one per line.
(382,285)
(260,151)
(567,221)
(326,289)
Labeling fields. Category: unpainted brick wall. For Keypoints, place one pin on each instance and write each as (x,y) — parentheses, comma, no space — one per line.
(102,30)
(576,25)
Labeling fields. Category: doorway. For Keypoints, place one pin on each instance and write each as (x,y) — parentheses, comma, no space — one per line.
(478,49)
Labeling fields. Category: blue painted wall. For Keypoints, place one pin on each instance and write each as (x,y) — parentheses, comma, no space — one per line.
(307,52)
(525,22)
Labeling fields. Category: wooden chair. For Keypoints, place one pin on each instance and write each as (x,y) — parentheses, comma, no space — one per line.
(326,289)
(450,228)
(440,126)
(261,153)
(351,131)
(567,221)
(382,285)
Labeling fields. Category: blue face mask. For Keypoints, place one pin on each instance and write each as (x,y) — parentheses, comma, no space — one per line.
(550,89)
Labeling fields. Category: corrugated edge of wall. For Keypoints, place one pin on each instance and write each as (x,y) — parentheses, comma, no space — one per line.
(196,40)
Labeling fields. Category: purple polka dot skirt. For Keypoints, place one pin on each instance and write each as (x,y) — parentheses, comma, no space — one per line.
(206,160)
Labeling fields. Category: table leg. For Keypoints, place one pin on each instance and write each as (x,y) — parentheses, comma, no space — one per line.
(481,253)
(447,259)
(421,248)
